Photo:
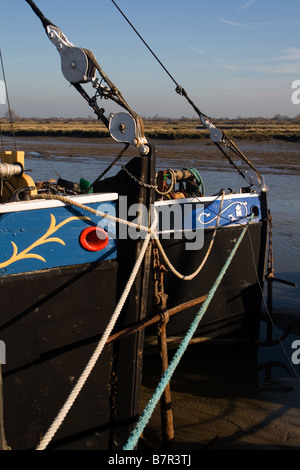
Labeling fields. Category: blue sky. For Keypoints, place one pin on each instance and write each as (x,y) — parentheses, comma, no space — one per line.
(233,57)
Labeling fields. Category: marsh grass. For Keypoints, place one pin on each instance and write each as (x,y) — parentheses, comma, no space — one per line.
(250,129)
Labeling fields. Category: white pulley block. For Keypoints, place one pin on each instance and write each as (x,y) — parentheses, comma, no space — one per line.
(74,61)
(122,128)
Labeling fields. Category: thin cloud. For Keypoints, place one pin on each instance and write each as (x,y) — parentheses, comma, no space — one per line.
(253,24)
(271,23)
(233,23)
(291,53)
(226,65)
(246,5)
(195,49)
(286,63)
(280,69)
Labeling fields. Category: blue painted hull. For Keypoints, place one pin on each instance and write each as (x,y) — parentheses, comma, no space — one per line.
(59,296)
(236,307)
(35,236)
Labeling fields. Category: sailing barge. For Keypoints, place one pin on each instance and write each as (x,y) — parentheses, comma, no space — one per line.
(77,276)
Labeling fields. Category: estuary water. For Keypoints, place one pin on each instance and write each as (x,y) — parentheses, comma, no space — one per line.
(278,163)
(219,400)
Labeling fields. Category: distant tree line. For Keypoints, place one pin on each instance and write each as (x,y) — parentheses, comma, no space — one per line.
(277,117)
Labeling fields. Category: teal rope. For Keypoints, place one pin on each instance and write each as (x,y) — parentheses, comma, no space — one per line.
(198,179)
(147,413)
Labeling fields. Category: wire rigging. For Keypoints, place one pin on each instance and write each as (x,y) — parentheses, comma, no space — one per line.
(8,103)
(148,47)
(203,117)
(179,89)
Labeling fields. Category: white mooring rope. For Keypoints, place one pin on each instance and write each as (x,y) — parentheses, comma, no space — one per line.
(92,362)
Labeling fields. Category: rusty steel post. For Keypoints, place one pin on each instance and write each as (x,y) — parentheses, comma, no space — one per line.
(166,402)
(160,302)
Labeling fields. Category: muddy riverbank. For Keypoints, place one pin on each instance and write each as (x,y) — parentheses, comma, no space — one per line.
(220,399)
(269,156)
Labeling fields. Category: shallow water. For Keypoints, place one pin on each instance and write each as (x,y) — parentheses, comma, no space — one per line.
(279,162)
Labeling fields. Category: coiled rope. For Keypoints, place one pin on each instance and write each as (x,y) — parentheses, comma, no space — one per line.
(92,362)
(147,413)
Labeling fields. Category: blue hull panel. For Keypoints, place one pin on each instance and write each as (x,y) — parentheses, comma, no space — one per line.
(34,240)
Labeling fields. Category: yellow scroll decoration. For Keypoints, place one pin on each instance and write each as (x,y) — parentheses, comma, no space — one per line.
(41,241)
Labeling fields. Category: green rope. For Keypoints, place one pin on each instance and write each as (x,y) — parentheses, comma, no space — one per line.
(198,179)
(147,413)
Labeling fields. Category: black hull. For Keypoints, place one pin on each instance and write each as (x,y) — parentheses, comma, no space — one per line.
(52,320)
(50,337)
(236,306)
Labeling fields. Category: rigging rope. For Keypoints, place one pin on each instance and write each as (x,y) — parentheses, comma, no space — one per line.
(92,362)
(179,89)
(279,339)
(39,14)
(109,167)
(147,413)
(1,136)
(8,102)
(193,275)
(203,117)
(67,200)
(151,231)
(148,230)
(148,47)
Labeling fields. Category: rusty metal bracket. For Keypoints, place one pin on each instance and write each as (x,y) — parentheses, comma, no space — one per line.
(16,195)
(270,280)
(160,301)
